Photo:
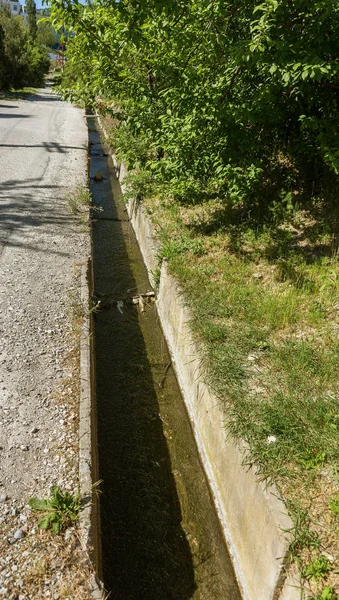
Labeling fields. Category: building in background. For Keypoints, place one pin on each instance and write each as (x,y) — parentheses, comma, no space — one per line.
(13,5)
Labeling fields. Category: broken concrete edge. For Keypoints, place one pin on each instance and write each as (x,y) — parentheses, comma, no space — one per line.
(85,436)
(254,520)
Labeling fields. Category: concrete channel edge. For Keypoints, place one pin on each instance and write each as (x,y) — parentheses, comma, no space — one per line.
(85,435)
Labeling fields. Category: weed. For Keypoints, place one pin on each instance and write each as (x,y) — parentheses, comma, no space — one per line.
(76,310)
(326,594)
(334,506)
(78,200)
(302,534)
(156,274)
(60,510)
(318,568)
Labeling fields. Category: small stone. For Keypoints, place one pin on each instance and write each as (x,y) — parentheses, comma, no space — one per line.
(68,535)
(35,430)
(19,534)
(98,176)
(251,357)
(3,498)
(271,439)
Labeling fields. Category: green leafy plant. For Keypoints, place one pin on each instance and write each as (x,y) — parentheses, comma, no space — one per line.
(60,510)
(334,505)
(318,568)
(79,199)
(326,594)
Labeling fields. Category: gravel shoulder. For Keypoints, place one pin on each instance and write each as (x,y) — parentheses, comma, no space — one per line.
(43,156)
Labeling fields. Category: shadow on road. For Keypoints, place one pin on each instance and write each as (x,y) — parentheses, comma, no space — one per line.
(16,116)
(49,146)
(24,205)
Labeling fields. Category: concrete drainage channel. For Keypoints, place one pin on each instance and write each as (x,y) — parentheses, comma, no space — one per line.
(159,532)
(160,526)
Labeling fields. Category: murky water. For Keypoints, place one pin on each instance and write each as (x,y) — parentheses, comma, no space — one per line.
(160,536)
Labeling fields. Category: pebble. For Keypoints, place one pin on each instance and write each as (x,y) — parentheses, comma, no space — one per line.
(3,498)
(68,535)
(19,534)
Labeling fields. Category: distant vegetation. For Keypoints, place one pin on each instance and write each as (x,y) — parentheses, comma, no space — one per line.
(23,58)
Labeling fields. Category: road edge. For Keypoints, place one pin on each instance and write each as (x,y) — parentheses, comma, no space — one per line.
(85,434)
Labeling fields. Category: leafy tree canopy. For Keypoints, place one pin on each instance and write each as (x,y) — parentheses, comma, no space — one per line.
(235,98)
(22,61)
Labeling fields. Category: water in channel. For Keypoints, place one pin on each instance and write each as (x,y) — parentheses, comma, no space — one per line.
(159,534)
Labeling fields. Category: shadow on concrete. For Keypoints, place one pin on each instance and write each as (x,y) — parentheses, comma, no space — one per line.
(49,147)
(25,183)
(15,116)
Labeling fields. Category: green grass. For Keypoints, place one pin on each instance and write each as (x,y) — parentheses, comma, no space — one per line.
(265,304)
(79,200)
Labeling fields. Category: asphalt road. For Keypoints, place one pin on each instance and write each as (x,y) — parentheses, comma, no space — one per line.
(42,156)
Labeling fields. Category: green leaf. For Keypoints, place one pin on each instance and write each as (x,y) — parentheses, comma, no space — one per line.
(56,527)
(37,504)
(45,522)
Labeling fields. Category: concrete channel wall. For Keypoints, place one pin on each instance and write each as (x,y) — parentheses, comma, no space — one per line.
(254,520)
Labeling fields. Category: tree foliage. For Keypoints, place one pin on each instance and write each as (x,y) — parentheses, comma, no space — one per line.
(22,61)
(232,98)
(31,19)
(46,35)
